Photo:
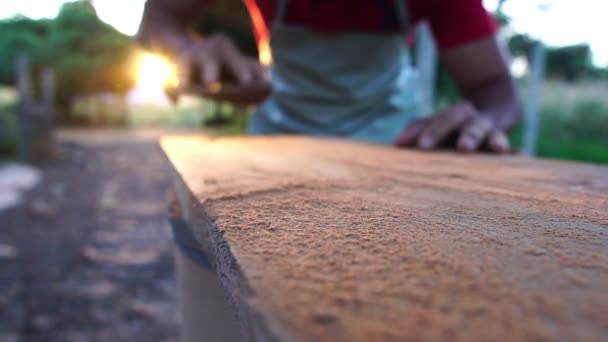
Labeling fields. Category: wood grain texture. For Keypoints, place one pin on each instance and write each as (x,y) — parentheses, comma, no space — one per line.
(328,240)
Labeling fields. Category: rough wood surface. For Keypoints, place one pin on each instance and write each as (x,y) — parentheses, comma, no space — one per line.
(326,240)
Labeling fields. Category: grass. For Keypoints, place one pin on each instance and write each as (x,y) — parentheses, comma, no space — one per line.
(190,112)
(579,149)
(574,122)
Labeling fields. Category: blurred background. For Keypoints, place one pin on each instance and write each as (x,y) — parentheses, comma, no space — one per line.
(85,249)
(104,80)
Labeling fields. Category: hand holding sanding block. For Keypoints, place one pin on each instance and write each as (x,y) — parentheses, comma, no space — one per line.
(227,89)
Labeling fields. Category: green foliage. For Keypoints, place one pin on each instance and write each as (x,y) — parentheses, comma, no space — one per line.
(86,54)
(502,19)
(574,123)
(581,149)
(599,74)
(19,34)
(570,62)
(98,56)
(521,45)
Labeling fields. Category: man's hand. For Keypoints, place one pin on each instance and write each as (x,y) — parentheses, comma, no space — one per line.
(224,73)
(460,126)
(212,67)
(480,71)
(217,54)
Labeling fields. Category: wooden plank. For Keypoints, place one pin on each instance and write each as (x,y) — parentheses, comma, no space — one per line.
(327,240)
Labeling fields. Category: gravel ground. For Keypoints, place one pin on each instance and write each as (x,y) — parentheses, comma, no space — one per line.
(89,253)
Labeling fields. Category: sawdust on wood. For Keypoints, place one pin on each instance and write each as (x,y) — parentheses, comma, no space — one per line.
(327,240)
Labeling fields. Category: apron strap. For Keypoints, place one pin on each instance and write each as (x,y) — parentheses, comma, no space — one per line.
(279,18)
(402,15)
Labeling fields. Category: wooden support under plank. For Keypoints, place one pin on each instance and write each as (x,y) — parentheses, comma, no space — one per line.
(328,240)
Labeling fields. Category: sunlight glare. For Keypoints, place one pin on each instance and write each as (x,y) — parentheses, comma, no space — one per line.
(155,72)
(265,54)
(519,67)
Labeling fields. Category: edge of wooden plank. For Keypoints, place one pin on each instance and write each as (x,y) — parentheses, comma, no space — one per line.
(251,317)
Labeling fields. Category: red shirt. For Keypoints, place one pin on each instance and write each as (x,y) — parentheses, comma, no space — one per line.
(454,22)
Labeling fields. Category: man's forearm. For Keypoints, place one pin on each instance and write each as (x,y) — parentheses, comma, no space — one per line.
(481,73)
(166,24)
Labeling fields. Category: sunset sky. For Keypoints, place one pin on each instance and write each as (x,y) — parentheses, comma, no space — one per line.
(564,22)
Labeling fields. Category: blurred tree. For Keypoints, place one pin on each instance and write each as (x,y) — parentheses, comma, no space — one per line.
(501,18)
(521,45)
(20,34)
(600,73)
(570,62)
(87,55)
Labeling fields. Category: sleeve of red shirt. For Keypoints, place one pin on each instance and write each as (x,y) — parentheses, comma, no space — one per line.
(454,22)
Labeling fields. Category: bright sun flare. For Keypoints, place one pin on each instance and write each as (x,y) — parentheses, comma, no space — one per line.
(154,72)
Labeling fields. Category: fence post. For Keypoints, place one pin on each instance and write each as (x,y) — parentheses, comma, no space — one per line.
(426,64)
(35,118)
(46,118)
(532,109)
(48,88)
(24,95)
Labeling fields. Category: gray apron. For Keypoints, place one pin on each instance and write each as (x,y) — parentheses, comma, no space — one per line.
(347,84)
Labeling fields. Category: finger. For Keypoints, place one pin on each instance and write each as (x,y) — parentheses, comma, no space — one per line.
(236,64)
(266,75)
(498,141)
(443,124)
(184,67)
(409,136)
(259,73)
(474,133)
(210,70)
